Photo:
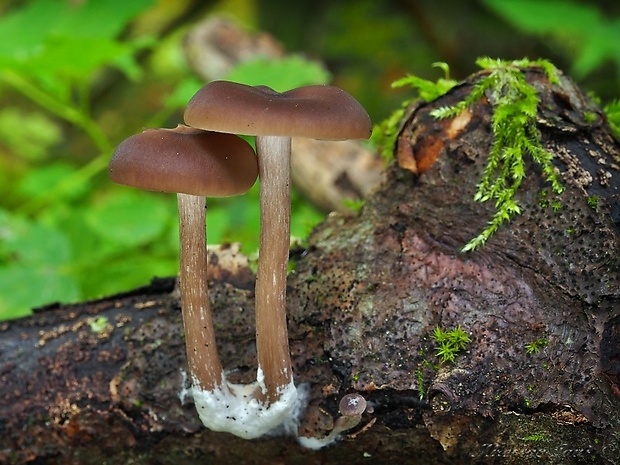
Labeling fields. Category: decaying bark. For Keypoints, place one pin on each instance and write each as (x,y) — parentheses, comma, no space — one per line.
(364,299)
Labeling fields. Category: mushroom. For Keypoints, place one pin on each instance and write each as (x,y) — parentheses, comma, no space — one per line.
(320,112)
(194,164)
(351,407)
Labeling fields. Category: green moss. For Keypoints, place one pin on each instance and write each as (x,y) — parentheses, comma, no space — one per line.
(589,116)
(98,324)
(513,122)
(515,136)
(419,376)
(535,437)
(384,134)
(593,202)
(427,366)
(536,346)
(450,343)
(355,205)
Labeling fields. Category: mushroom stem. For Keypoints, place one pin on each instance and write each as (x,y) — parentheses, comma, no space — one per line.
(202,357)
(274,154)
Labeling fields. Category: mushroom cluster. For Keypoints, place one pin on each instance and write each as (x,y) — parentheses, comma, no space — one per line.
(321,112)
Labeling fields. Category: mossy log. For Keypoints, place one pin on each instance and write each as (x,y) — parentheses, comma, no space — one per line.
(538,383)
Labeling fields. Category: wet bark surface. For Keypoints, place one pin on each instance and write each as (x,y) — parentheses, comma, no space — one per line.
(365,296)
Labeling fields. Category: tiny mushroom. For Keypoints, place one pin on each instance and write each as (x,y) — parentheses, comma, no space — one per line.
(351,407)
(317,111)
(194,164)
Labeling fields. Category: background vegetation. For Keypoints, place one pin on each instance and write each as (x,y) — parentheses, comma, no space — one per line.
(78,76)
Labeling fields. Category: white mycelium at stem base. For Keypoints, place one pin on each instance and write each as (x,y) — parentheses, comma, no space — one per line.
(242,410)
(234,408)
(274,154)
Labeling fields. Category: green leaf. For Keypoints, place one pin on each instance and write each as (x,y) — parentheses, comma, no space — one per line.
(218,224)
(37,183)
(32,244)
(280,74)
(304,218)
(25,287)
(89,249)
(24,29)
(125,272)
(97,18)
(542,16)
(34,262)
(130,217)
(53,41)
(183,92)
(579,29)
(235,219)
(28,134)
(64,57)
(596,48)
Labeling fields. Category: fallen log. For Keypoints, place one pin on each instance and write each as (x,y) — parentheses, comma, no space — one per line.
(538,380)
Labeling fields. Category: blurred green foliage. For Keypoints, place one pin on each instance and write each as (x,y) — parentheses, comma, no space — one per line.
(66,234)
(279,73)
(612,110)
(77,77)
(579,30)
(57,233)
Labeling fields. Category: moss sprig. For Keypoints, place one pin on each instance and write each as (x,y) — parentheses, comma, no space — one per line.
(515,135)
(536,346)
(450,342)
(513,122)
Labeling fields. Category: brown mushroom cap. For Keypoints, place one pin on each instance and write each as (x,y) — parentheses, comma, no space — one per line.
(185,160)
(319,112)
(352,405)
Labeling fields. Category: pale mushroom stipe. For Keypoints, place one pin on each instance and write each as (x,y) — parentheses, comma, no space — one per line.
(320,112)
